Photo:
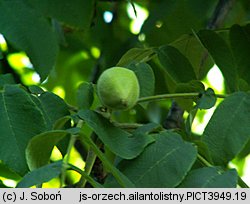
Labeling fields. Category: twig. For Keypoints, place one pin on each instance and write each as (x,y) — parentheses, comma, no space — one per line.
(175,95)
(85,175)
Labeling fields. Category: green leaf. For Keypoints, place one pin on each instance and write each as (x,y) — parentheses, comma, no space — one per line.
(76,13)
(118,141)
(245,151)
(176,64)
(210,177)
(56,112)
(190,87)
(36,90)
(85,95)
(192,49)
(162,164)
(20,120)
(6,79)
(147,128)
(61,123)
(52,106)
(222,55)
(41,175)
(29,32)
(146,78)
(7,173)
(228,130)
(243,85)
(207,99)
(40,147)
(168,20)
(240,43)
(136,55)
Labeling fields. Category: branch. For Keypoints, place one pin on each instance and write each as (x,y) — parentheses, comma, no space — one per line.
(174,119)
(221,11)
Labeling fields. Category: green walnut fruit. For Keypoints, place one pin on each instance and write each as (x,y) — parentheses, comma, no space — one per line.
(118,88)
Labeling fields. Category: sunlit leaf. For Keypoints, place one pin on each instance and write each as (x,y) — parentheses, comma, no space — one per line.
(40,147)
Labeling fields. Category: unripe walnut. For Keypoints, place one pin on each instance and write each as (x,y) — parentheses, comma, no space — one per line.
(118,88)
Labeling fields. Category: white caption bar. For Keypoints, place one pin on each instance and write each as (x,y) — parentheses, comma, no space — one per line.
(130,196)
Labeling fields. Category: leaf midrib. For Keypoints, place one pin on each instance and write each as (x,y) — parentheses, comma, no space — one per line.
(227,132)
(157,163)
(10,125)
